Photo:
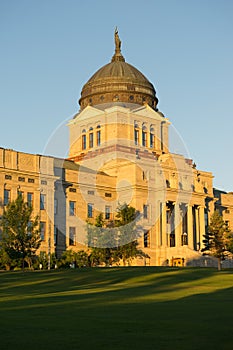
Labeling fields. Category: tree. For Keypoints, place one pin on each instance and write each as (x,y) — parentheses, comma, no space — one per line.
(100,242)
(67,259)
(81,258)
(20,232)
(41,260)
(128,233)
(116,241)
(215,242)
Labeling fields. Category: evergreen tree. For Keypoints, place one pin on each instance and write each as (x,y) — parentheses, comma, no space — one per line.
(215,240)
(20,236)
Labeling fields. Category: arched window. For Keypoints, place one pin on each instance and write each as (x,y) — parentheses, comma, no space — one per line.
(136,133)
(98,135)
(144,136)
(152,138)
(91,137)
(136,136)
(84,139)
(184,239)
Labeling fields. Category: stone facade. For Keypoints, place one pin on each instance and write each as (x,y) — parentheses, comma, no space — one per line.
(119,153)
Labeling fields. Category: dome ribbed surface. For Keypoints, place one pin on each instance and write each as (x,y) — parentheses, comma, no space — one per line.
(118,81)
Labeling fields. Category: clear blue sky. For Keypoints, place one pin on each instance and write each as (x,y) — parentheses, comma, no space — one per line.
(50,48)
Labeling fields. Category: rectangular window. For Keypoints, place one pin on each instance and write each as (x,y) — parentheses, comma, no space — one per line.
(8,177)
(91,140)
(55,235)
(144,138)
(31,181)
(145,211)
(55,206)
(184,239)
(42,230)
(20,193)
(72,208)
(42,201)
(107,212)
(91,193)
(43,182)
(146,239)
(107,194)
(90,210)
(7,194)
(71,189)
(29,228)
(152,140)
(136,136)
(84,142)
(30,199)
(22,179)
(72,236)
(98,134)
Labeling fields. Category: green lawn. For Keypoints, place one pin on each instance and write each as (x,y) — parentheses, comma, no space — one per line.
(117,308)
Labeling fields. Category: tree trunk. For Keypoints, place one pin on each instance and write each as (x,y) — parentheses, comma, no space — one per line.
(219,264)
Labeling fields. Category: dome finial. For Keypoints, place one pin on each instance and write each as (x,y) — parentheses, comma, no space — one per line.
(117,41)
(117,56)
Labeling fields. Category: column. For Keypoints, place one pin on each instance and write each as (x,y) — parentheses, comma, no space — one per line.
(163,225)
(178,224)
(197,226)
(201,225)
(190,227)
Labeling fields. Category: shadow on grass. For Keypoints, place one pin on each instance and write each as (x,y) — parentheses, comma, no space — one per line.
(117,308)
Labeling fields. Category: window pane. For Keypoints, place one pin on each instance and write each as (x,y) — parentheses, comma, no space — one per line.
(145,211)
(42,230)
(72,208)
(42,201)
(91,140)
(144,138)
(6,196)
(98,138)
(146,240)
(30,199)
(136,137)
(72,236)
(107,212)
(84,142)
(90,210)
(152,141)
(55,206)
(56,232)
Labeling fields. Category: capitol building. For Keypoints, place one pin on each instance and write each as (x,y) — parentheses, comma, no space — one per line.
(118,153)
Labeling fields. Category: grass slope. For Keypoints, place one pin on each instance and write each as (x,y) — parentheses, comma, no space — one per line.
(117,308)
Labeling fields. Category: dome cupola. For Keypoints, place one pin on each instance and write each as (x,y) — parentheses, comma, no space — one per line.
(118,81)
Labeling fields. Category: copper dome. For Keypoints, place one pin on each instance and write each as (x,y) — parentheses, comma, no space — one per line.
(118,81)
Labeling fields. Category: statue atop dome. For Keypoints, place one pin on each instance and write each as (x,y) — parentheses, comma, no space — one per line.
(118,81)
(117,55)
(117,42)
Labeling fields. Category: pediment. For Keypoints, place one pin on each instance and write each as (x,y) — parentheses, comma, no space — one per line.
(87,113)
(148,112)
